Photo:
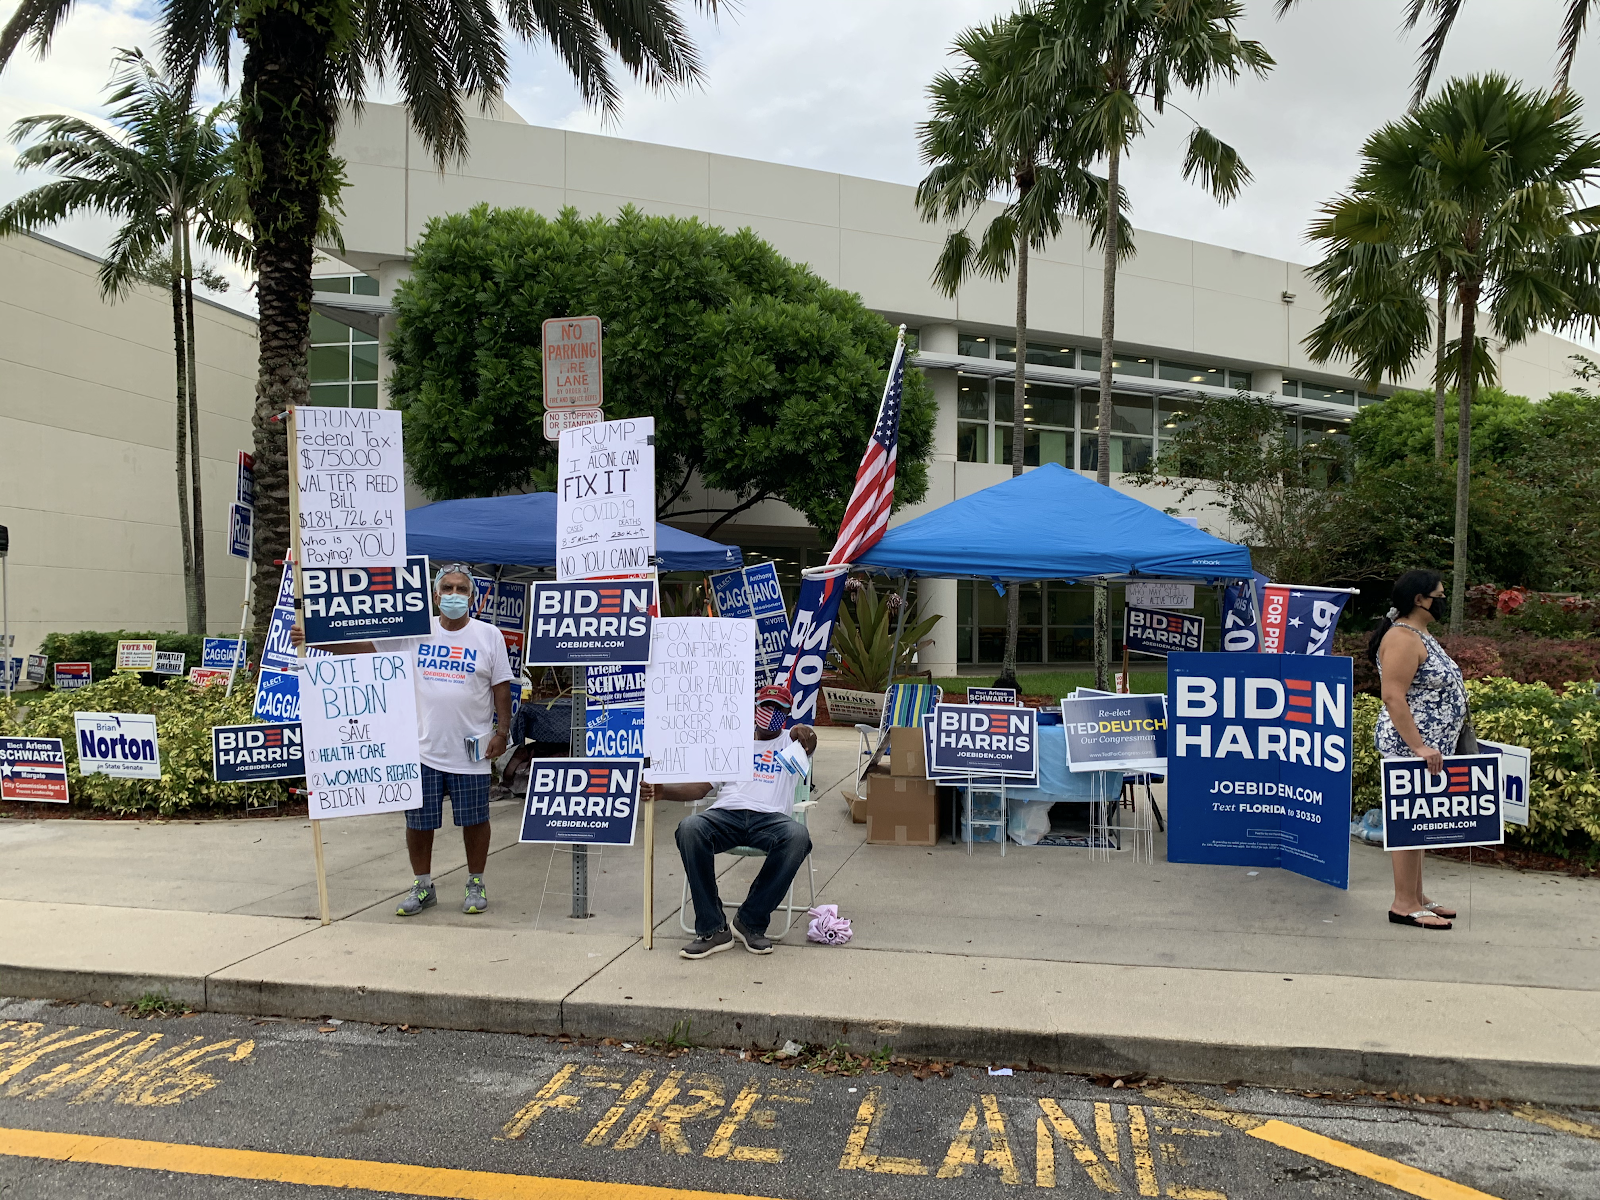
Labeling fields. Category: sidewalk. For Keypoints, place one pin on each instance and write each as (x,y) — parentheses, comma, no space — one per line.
(1194,973)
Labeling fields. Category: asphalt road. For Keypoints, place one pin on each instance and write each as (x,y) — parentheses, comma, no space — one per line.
(312,1106)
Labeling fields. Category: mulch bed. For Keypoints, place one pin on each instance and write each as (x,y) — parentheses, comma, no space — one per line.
(1522,860)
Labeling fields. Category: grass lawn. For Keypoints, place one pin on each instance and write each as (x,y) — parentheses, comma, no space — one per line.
(1052,683)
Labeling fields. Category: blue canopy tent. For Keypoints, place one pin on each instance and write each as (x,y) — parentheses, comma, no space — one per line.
(1052,523)
(521,531)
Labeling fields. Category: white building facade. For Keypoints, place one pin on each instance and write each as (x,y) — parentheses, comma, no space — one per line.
(1191,318)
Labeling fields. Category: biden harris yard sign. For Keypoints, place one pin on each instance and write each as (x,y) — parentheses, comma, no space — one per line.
(1259,762)
(1458,807)
(251,753)
(589,800)
(985,739)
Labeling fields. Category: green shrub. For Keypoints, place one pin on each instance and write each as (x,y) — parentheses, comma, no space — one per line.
(100,648)
(1560,728)
(184,716)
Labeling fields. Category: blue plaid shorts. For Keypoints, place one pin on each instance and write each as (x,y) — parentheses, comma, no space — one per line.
(469,800)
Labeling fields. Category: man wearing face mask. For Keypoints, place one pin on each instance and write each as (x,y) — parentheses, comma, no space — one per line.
(463,683)
(756,812)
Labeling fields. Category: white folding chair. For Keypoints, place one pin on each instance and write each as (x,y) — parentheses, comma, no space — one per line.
(802,806)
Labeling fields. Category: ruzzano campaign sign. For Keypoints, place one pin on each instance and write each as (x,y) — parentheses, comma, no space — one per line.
(1258,762)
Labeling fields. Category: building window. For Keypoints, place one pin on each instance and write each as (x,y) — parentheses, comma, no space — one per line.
(1142,368)
(1046,354)
(343,361)
(975,345)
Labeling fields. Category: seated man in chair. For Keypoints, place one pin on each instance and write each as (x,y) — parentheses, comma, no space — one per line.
(757,812)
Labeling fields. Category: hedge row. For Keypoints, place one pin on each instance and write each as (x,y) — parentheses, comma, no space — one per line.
(184,715)
(1560,728)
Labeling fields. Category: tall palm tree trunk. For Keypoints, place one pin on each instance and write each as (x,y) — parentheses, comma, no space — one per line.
(1108,329)
(286,114)
(1440,354)
(1008,667)
(1464,389)
(200,619)
(181,433)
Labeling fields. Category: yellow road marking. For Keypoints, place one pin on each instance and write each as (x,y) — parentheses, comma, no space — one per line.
(1397,1175)
(1554,1120)
(402,1178)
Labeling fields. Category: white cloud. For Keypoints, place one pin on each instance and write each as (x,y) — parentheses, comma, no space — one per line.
(840,85)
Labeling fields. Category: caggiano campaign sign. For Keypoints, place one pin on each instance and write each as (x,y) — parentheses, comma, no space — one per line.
(1258,762)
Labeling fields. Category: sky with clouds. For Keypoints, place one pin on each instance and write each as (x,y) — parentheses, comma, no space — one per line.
(841,85)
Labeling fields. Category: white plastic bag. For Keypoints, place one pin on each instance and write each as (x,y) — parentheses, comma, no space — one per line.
(1027,823)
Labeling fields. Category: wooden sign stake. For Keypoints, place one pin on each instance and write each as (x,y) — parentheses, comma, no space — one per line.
(650,875)
(299,623)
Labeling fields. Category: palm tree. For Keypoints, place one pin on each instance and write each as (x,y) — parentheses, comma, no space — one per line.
(300,60)
(1445,13)
(164,175)
(1484,180)
(994,133)
(1125,57)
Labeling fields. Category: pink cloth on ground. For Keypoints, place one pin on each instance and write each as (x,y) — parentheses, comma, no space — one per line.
(827,926)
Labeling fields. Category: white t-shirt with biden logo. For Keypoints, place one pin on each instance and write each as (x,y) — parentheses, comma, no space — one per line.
(769,789)
(456,670)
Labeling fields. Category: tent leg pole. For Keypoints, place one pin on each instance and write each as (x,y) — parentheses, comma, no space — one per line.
(1102,637)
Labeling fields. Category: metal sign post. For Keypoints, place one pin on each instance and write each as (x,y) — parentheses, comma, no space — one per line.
(580,852)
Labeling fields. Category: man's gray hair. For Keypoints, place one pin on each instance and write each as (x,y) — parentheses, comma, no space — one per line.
(451,569)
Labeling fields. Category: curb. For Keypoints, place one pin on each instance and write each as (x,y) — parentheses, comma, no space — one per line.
(1327,1068)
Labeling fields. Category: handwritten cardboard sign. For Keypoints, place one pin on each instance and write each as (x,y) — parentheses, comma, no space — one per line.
(359,716)
(606,499)
(699,700)
(350,471)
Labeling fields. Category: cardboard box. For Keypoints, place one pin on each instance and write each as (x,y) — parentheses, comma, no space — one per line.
(902,812)
(857,807)
(908,757)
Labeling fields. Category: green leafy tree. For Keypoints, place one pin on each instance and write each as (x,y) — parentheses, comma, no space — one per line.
(999,132)
(1561,458)
(301,59)
(763,379)
(1488,178)
(163,173)
(1402,427)
(1125,58)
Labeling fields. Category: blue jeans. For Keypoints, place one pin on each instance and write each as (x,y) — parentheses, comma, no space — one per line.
(717,830)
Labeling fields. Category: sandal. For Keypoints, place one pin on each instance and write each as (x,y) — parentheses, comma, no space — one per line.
(1440,910)
(1416,919)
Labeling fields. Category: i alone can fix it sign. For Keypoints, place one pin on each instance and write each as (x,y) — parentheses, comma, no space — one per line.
(572,363)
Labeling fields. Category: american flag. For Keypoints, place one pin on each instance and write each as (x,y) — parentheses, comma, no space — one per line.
(867,515)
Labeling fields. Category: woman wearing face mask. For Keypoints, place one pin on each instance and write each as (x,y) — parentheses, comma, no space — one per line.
(1424,713)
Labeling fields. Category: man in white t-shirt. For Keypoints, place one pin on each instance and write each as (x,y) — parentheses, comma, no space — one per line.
(463,683)
(756,812)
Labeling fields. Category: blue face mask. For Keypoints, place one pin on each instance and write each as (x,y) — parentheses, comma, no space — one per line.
(454,607)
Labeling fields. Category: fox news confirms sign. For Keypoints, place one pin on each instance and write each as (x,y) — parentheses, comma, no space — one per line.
(591,800)
(33,769)
(1258,762)
(251,753)
(1155,631)
(1116,733)
(122,745)
(358,604)
(1460,806)
(599,622)
(985,739)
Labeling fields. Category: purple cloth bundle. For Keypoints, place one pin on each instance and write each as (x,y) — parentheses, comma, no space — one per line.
(827,926)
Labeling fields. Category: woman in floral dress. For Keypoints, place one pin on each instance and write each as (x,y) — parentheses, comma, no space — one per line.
(1424,710)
